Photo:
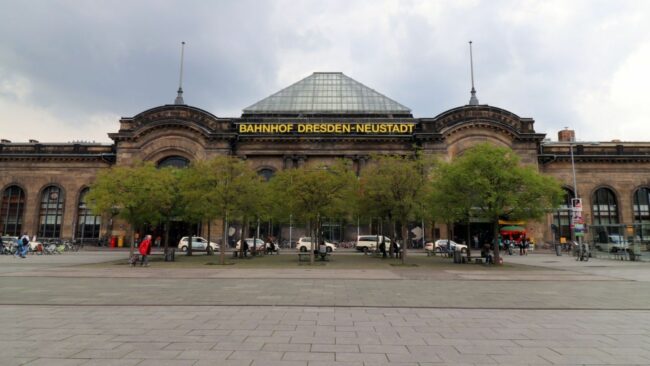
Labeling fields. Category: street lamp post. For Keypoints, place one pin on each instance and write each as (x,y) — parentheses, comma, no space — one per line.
(576,209)
(576,198)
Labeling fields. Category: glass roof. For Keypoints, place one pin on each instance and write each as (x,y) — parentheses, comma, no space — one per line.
(327,92)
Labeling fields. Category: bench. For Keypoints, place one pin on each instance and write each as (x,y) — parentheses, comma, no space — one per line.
(323,256)
(317,256)
(475,259)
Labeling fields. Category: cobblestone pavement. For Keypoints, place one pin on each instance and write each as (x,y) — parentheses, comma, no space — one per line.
(559,312)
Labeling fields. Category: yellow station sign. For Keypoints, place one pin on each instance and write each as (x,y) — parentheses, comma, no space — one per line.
(327,128)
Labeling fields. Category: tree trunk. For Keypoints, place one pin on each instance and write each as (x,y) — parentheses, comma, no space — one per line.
(404,240)
(132,247)
(468,240)
(242,237)
(166,245)
(224,243)
(207,249)
(189,244)
(311,239)
(495,229)
(391,252)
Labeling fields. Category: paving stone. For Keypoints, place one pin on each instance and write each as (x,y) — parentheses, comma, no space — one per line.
(111,362)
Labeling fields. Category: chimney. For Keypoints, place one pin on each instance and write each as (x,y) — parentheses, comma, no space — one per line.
(566,135)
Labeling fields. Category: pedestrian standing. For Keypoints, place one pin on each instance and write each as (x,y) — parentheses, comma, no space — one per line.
(23,243)
(145,250)
(158,240)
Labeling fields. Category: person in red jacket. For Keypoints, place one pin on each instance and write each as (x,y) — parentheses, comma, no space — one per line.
(145,250)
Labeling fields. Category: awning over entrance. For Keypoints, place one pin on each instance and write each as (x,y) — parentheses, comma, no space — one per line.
(512,230)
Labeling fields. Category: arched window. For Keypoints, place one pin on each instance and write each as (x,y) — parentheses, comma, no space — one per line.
(562,216)
(604,207)
(174,162)
(266,173)
(87,223)
(51,213)
(641,206)
(11,211)
(642,213)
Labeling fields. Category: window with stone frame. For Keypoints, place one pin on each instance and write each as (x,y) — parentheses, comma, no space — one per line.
(88,224)
(604,207)
(12,211)
(51,212)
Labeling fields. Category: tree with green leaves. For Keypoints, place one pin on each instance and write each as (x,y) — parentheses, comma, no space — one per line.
(135,192)
(223,187)
(314,193)
(172,207)
(450,200)
(395,187)
(491,182)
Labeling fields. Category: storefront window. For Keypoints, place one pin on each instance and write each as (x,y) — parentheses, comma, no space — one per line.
(11,211)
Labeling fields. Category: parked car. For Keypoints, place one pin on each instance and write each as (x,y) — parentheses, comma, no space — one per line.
(440,246)
(198,244)
(259,244)
(367,243)
(304,245)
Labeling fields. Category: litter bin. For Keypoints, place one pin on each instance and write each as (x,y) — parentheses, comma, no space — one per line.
(458,256)
(120,241)
(113,241)
(170,255)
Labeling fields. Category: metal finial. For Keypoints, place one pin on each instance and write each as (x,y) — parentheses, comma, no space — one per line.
(179,96)
(472,100)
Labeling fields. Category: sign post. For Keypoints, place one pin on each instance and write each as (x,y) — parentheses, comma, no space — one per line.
(577,220)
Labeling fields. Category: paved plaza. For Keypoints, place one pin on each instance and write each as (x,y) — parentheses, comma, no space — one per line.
(59,310)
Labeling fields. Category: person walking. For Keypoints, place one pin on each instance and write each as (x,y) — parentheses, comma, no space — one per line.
(382,247)
(145,249)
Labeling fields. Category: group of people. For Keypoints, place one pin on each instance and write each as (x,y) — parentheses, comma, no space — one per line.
(395,248)
(523,244)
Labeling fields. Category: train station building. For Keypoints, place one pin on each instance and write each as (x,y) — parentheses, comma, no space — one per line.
(322,117)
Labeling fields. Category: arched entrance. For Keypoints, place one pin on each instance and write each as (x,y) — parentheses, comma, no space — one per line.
(175,229)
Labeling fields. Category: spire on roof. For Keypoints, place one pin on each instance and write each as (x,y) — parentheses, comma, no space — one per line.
(472,100)
(179,96)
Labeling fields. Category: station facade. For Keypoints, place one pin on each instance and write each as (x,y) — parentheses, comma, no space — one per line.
(323,117)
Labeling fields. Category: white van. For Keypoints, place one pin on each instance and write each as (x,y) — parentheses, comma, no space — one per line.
(367,243)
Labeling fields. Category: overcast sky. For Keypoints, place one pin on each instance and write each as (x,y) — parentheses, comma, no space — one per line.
(70,69)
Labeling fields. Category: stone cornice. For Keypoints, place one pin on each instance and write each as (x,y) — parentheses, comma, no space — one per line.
(620,159)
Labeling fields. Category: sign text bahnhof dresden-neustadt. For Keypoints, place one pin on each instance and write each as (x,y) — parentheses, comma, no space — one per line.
(333,128)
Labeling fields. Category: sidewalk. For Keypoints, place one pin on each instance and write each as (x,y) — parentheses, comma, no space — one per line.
(558,312)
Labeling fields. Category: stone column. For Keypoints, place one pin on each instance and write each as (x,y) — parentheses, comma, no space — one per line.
(301,160)
(288,162)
